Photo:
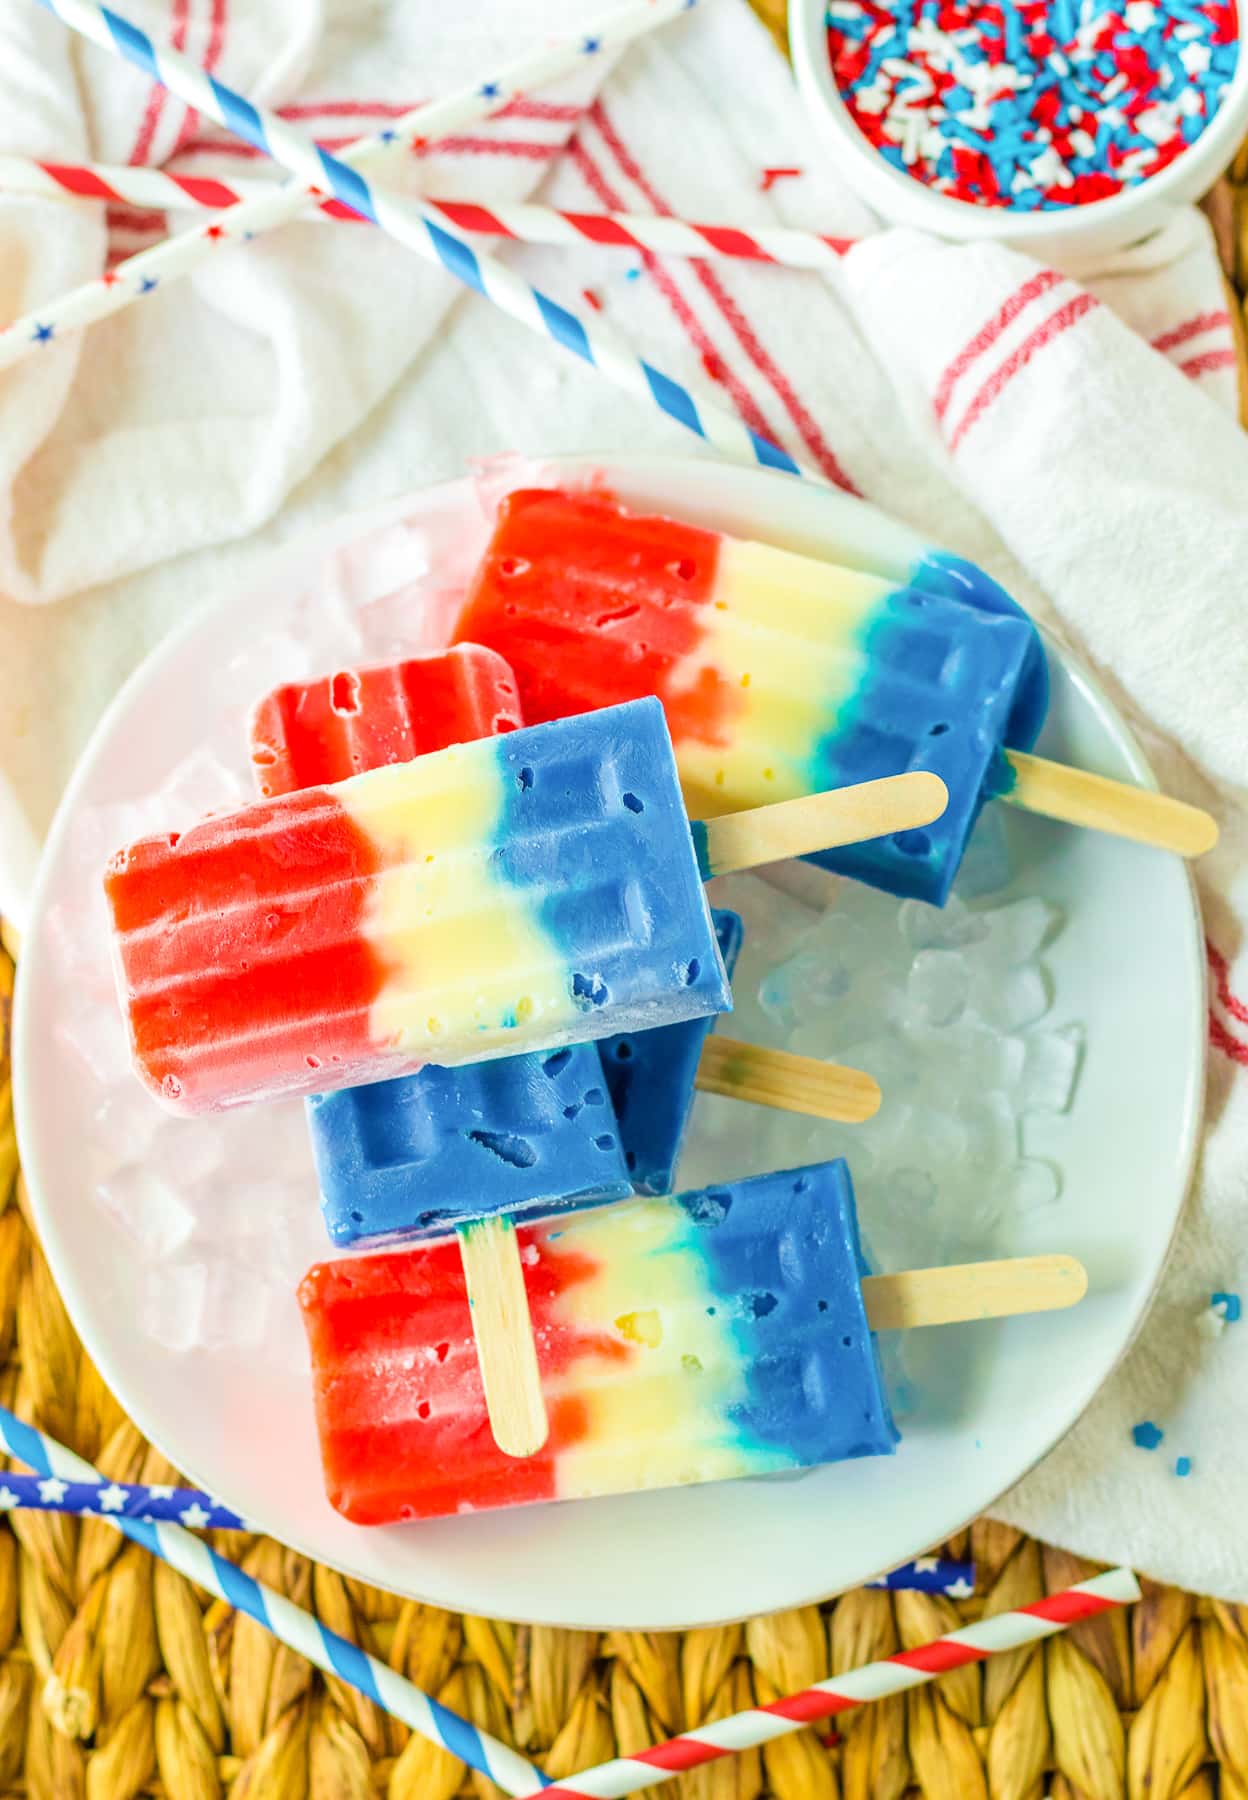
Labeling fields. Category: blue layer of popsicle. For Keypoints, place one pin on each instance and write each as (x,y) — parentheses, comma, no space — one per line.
(650,1076)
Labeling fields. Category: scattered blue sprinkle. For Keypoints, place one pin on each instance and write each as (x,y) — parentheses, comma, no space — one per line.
(1229,1305)
(1183,1466)
(1146,1435)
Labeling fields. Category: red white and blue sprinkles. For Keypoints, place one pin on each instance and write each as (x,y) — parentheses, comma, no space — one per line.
(1040,105)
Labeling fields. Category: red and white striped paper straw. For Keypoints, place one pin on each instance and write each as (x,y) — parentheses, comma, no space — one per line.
(909,1668)
(523,223)
(129,184)
(646,232)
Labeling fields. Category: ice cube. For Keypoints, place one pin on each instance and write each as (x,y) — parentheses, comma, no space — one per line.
(96,1034)
(290,1345)
(991,1059)
(938,1136)
(124,1124)
(889,1134)
(991,1133)
(949,927)
(781,994)
(287,1245)
(1050,1069)
(236,1307)
(171,1304)
(1011,998)
(267,662)
(266,1140)
(1018,932)
(806,884)
(383,559)
(326,619)
(875,1002)
(99,831)
(912,1190)
(775,924)
(148,1208)
(404,622)
(201,783)
(985,867)
(188,1151)
(80,938)
(892,1059)
(937,987)
(810,987)
(1033,1183)
(960,1059)
(256,1208)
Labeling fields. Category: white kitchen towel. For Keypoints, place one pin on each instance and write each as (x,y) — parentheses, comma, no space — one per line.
(1076,437)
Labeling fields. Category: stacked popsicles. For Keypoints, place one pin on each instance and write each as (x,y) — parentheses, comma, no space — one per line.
(467,920)
(401,907)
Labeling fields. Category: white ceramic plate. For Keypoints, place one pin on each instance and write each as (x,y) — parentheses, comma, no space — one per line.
(1128,964)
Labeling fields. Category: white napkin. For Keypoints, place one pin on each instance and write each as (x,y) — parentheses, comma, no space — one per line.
(1077,439)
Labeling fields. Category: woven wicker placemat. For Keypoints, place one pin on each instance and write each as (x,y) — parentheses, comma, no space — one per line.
(118,1679)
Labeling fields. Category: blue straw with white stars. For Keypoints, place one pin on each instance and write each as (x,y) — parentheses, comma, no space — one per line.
(290,1623)
(931,1575)
(414,225)
(143,1500)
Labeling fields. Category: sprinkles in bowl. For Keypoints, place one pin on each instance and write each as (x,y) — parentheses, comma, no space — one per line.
(1044,105)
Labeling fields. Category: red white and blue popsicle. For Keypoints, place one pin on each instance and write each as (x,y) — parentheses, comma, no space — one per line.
(518,893)
(698,1337)
(781,674)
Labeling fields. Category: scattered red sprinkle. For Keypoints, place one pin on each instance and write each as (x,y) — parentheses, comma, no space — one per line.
(713,365)
(591,299)
(772,176)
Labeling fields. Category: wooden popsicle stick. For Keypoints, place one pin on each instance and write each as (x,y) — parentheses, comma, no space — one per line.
(1095,801)
(848,815)
(985,1290)
(504,1332)
(799,1084)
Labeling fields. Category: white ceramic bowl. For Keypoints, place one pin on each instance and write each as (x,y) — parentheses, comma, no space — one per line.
(1128,965)
(1095,229)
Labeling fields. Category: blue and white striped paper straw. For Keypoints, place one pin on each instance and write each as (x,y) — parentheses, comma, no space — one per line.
(154,268)
(412,224)
(290,1623)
